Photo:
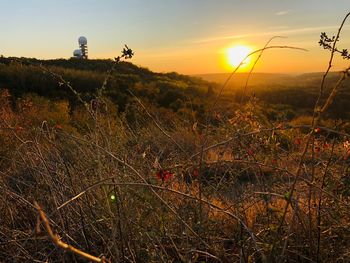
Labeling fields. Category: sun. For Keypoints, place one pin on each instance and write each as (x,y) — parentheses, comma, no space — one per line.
(237,54)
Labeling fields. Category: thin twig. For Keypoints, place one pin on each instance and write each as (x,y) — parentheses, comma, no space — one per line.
(58,242)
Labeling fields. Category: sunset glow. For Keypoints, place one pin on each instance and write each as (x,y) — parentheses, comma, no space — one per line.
(175,131)
(238,54)
(189,37)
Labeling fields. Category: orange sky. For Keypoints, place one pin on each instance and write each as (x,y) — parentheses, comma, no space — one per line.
(186,36)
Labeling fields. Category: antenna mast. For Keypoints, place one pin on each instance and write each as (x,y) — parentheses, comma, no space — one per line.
(82,52)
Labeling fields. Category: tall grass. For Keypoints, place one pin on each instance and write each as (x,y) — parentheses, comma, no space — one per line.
(235,187)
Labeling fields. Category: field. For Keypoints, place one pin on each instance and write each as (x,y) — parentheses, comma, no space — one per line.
(104,161)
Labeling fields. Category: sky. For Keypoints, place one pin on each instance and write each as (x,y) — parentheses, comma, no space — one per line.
(186,36)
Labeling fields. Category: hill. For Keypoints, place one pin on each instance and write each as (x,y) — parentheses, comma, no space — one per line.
(294,91)
(170,90)
(239,79)
(178,177)
(295,94)
(272,79)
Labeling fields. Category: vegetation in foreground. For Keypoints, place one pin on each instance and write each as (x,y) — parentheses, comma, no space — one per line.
(157,179)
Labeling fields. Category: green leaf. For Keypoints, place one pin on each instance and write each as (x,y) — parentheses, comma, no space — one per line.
(287,196)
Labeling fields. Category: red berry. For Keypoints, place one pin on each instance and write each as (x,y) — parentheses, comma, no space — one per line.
(195,173)
(164,175)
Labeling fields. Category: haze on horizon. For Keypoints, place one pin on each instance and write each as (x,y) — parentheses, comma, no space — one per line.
(186,36)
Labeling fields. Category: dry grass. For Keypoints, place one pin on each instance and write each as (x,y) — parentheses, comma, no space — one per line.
(242,190)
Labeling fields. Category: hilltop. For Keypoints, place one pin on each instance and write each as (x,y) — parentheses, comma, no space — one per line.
(169,90)
(278,93)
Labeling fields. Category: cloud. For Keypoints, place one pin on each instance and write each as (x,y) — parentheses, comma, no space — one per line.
(281,13)
(286,32)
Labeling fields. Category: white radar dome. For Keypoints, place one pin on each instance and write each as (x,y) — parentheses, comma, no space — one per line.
(77,53)
(82,41)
